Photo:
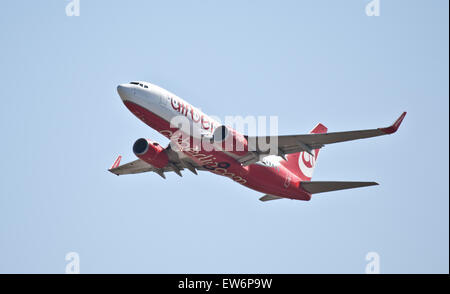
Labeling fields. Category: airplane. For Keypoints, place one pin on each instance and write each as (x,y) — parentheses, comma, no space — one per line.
(282,173)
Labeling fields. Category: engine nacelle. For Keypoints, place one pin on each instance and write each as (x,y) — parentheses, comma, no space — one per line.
(150,152)
(229,140)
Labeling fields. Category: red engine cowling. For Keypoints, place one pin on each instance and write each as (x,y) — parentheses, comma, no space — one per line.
(150,152)
(231,141)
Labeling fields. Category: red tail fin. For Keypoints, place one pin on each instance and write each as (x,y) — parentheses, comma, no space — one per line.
(302,163)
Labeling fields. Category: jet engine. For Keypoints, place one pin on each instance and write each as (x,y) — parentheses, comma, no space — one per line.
(150,152)
(229,140)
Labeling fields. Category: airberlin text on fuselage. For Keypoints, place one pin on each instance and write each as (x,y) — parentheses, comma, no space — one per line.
(208,161)
(196,116)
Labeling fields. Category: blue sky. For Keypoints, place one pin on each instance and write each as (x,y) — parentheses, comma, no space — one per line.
(63,124)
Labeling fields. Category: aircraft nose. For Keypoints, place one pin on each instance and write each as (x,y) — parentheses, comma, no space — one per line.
(124,91)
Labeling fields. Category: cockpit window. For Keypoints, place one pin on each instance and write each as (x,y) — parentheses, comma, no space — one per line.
(139,84)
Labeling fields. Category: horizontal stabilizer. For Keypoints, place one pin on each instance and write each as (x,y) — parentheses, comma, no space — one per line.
(269,197)
(322,186)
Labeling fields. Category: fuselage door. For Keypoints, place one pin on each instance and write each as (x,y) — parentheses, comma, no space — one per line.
(164,100)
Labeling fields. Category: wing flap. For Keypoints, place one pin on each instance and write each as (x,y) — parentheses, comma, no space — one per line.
(327,186)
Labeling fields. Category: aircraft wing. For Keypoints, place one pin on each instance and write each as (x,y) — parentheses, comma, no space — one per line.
(309,142)
(139,166)
(134,167)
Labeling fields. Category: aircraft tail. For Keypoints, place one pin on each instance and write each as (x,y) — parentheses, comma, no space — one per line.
(302,163)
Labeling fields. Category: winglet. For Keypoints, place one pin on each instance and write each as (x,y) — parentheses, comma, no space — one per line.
(116,163)
(392,129)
